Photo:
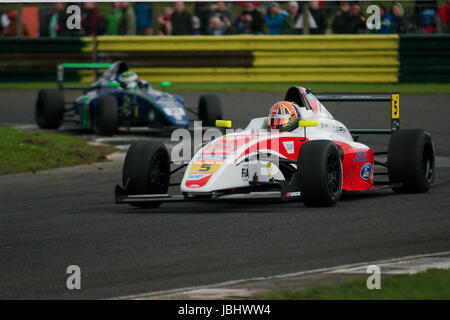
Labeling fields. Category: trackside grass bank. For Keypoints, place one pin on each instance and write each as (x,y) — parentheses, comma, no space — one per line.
(411,88)
(23,150)
(430,285)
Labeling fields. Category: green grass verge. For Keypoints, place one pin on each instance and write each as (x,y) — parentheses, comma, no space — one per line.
(23,150)
(428,285)
(411,88)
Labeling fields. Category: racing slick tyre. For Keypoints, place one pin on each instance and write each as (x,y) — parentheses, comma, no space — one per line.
(320,168)
(209,109)
(411,160)
(106,115)
(146,170)
(50,109)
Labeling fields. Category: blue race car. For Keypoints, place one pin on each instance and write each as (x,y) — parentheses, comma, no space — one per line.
(119,99)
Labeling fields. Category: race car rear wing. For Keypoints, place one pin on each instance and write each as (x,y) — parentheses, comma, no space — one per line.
(78,66)
(393,98)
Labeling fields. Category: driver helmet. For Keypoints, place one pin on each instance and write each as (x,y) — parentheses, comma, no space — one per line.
(284,116)
(128,80)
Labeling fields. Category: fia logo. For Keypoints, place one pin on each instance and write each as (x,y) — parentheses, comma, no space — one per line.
(244,173)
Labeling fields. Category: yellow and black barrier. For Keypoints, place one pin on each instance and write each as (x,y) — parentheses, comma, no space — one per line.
(236,58)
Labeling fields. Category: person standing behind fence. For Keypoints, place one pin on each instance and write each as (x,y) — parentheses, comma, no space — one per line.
(317,20)
(4,23)
(165,26)
(181,20)
(341,20)
(385,20)
(144,18)
(444,15)
(55,19)
(275,19)
(45,10)
(202,12)
(127,24)
(113,18)
(399,19)
(91,21)
(224,14)
(425,15)
(250,20)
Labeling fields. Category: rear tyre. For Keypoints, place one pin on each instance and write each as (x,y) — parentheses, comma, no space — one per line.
(320,168)
(106,116)
(209,109)
(147,170)
(411,160)
(50,109)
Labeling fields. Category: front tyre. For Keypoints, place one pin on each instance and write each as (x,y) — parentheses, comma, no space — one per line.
(411,160)
(50,109)
(106,115)
(209,109)
(147,170)
(320,169)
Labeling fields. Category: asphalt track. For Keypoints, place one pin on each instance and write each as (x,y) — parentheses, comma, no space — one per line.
(63,217)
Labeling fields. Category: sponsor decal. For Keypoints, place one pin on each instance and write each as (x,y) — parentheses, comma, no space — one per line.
(365,171)
(360,156)
(198,183)
(195,176)
(204,167)
(244,172)
(293,194)
(211,157)
(177,113)
(289,146)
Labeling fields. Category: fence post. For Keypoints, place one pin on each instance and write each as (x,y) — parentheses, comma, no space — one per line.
(95,53)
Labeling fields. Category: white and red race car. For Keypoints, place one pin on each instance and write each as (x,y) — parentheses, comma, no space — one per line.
(314,163)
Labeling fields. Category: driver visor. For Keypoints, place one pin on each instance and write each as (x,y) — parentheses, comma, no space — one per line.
(278,120)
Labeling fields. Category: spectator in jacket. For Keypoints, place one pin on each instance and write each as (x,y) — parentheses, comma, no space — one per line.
(45,10)
(385,20)
(90,19)
(424,14)
(292,17)
(399,19)
(203,13)
(357,20)
(113,19)
(181,20)
(165,26)
(55,20)
(217,27)
(4,23)
(144,18)
(275,19)
(444,15)
(342,19)
(317,20)
(250,20)
(127,24)
(224,14)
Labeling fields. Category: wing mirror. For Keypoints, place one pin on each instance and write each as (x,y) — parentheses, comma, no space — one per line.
(307,123)
(165,84)
(223,123)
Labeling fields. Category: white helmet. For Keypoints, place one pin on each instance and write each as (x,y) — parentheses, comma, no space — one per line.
(128,80)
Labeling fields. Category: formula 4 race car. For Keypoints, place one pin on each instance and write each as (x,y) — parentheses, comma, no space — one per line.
(314,163)
(108,104)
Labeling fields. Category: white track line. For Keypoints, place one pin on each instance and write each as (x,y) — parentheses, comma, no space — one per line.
(281,276)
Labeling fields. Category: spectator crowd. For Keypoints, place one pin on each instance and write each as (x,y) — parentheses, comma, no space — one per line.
(318,17)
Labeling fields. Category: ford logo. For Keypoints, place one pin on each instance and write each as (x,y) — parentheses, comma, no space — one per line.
(365,171)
